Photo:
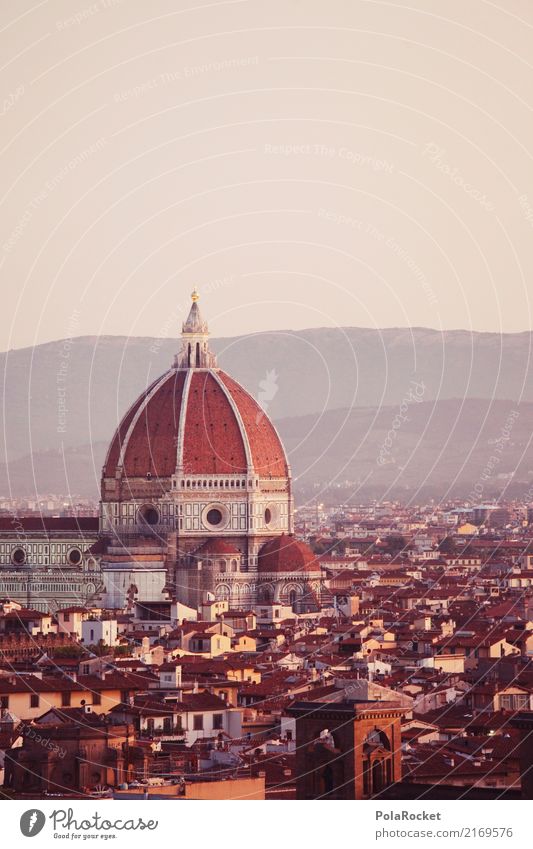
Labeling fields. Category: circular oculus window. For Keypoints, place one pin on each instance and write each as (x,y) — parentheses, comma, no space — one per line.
(74,557)
(215,516)
(271,515)
(18,556)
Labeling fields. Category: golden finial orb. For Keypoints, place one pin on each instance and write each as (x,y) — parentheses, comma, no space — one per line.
(195,296)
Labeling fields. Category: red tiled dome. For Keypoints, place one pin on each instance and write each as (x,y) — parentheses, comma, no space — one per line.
(287,554)
(198,422)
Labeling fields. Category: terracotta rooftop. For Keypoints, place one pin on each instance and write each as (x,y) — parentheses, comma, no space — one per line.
(287,554)
(220,427)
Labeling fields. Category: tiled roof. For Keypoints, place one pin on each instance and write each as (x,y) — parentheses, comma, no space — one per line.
(91,683)
(221,422)
(287,554)
(268,456)
(25,614)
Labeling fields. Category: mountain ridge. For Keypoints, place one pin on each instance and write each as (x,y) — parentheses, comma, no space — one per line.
(219,338)
(73,392)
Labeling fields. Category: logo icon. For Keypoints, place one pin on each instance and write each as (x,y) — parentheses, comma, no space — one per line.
(32,822)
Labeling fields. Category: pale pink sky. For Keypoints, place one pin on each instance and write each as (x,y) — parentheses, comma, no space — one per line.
(303,163)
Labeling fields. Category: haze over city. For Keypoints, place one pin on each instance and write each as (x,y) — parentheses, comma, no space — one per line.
(359,165)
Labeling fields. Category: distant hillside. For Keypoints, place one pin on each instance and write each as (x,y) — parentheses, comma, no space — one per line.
(72,394)
(451,445)
(465,446)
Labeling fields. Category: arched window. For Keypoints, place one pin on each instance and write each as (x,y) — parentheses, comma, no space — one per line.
(148,515)
(197,355)
(265,595)
(375,737)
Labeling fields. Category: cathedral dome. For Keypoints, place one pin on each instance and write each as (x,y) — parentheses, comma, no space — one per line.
(285,553)
(195,420)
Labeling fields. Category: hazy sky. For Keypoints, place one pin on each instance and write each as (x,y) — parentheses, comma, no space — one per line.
(310,163)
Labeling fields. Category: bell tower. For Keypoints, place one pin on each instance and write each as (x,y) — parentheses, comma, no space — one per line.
(194,352)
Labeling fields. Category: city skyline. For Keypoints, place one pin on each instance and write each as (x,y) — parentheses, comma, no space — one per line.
(266,468)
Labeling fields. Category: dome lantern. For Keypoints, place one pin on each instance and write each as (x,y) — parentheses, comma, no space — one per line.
(194,351)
